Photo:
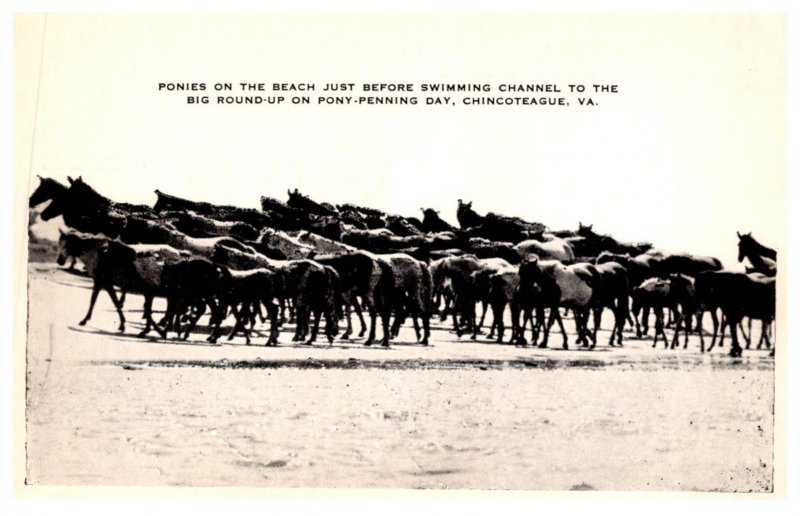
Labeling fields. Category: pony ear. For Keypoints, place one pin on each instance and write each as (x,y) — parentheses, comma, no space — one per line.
(69,178)
(40,177)
(738,234)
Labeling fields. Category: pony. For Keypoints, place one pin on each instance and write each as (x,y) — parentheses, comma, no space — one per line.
(433,223)
(143,231)
(595,243)
(304,203)
(134,269)
(194,284)
(48,190)
(573,286)
(653,294)
(552,249)
(467,217)
(248,291)
(200,226)
(84,209)
(613,294)
(313,287)
(460,273)
(362,275)
(74,245)
(738,295)
(412,292)
(762,259)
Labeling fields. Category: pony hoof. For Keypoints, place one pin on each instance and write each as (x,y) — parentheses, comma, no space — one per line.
(82,323)
(121,329)
(385,345)
(474,337)
(542,346)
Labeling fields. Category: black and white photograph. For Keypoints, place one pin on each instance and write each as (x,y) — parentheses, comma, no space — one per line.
(532,252)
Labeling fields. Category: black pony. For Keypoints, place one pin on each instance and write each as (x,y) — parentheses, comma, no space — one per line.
(762,258)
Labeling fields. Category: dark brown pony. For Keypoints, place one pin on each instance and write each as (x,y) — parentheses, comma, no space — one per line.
(304,203)
(433,223)
(48,189)
(738,295)
(85,210)
(762,258)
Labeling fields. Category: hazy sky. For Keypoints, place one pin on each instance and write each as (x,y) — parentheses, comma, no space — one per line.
(691,149)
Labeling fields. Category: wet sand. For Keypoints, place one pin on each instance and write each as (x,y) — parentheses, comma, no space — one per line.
(110,409)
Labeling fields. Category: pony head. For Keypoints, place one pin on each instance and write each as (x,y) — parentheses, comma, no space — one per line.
(48,189)
(745,243)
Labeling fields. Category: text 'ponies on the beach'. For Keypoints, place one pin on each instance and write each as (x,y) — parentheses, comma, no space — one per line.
(415,94)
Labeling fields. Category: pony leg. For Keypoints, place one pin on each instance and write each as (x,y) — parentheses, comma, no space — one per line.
(715,323)
(687,323)
(148,317)
(540,321)
(347,315)
(563,331)
(415,321)
(723,324)
(497,314)
(621,313)
(386,316)
(240,316)
(360,315)
(578,318)
(118,306)
(597,312)
(272,313)
(400,314)
(373,315)
(664,331)
(551,319)
(317,314)
(92,301)
(282,303)
(746,335)
(331,324)
(659,315)
(679,320)
(736,349)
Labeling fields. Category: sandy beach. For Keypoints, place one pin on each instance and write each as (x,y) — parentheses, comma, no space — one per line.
(111,409)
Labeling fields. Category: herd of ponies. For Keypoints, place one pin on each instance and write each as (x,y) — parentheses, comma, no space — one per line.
(317,260)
